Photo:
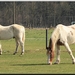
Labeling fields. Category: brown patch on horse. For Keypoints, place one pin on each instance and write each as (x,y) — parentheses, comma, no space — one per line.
(59,42)
(51,50)
(51,56)
(50,45)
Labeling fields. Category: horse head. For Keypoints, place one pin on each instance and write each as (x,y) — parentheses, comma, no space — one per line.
(50,52)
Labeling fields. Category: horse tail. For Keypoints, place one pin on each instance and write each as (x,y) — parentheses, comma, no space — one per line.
(23,38)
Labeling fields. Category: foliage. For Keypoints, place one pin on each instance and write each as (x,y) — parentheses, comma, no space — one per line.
(37,14)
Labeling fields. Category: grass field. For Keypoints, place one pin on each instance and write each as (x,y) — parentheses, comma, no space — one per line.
(34,61)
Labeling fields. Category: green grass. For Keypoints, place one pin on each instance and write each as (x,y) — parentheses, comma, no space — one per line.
(34,61)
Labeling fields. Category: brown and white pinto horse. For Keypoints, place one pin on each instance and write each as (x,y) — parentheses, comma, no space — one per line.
(62,35)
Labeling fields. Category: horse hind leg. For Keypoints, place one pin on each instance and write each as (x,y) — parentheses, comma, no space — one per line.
(21,42)
(17,44)
(22,47)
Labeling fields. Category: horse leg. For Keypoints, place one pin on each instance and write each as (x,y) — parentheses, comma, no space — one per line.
(21,41)
(57,54)
(70,52)
(0,49)
(22,47)
(17,44)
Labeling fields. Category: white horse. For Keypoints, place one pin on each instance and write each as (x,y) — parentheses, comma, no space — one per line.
(62,35)
(13,31)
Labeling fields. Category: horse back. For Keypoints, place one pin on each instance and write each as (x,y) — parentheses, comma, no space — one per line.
(66,34)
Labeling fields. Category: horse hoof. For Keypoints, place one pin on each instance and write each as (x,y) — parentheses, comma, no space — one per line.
(22,53)
(49,63)
(73,62)
(14,53)
(56,63)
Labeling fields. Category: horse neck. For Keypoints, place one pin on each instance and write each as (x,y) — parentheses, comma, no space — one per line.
(53,40)
(51,45)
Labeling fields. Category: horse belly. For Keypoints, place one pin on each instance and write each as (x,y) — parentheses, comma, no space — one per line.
(6,35)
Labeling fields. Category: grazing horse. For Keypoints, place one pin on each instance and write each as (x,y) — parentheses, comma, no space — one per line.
(13,31)
(61,36)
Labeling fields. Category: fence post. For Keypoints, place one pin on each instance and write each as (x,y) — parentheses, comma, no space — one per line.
(46,38)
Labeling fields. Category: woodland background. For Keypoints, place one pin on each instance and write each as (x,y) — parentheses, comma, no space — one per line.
(37,14)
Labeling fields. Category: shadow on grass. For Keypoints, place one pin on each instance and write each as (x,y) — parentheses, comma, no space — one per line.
(28,64)
(39,64)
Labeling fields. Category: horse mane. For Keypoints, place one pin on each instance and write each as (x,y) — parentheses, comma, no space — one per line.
(50,44)
(56,33)
(55,37)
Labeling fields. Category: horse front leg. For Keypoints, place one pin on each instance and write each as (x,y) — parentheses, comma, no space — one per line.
(57,54)
(70,52)
(17,44)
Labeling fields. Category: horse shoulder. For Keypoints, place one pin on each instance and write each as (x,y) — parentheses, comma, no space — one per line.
(59,34)
(57,31)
